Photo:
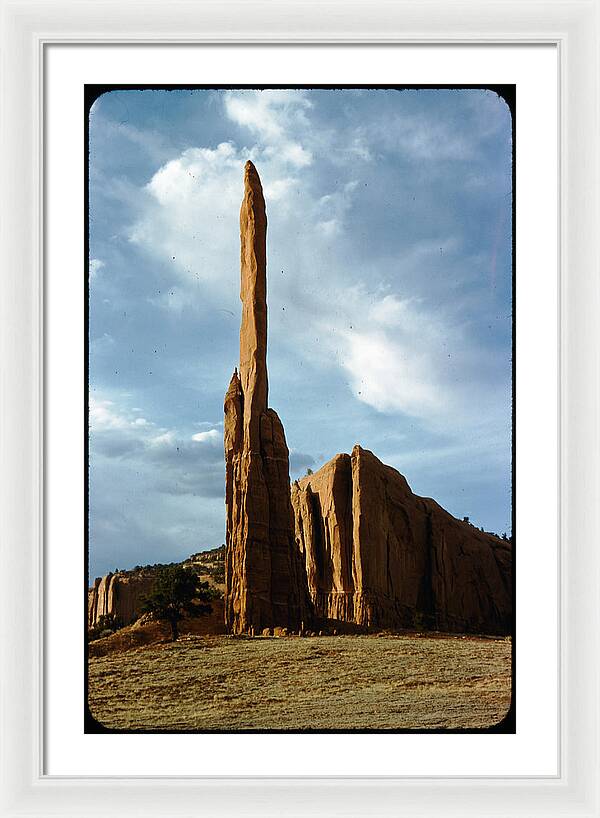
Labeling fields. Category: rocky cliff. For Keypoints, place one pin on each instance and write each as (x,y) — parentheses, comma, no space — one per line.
(264,577)
(380,556)
(118,594)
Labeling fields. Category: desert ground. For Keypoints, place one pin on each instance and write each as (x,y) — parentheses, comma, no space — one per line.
(344,682)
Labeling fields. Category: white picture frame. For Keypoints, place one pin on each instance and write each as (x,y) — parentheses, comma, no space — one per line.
(27,27)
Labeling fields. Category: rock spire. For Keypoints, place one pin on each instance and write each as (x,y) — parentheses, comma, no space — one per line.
(253,293)
(265,583)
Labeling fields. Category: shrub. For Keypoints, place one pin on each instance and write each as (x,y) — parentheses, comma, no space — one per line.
(105,625)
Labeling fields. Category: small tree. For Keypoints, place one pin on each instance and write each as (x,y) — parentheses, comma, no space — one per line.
(105,625)
(177,592)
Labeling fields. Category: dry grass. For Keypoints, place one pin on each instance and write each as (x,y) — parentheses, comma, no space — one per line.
(320,683)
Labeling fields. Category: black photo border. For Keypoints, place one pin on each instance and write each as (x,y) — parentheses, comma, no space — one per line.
(91,93)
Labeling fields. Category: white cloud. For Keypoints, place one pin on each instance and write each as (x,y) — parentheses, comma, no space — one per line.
(151,488)
(104,415)
(296,155)
(390,377)
(270,115)
(255,111)
(96,265)
(276,118)
(191,211)
(212,436)
(164,439)
(279,189)
(329,228)
(195,167)
(331,209)
(359,147)
(390,351)
(107,415)
(208,424)
(116,431)
(390,311)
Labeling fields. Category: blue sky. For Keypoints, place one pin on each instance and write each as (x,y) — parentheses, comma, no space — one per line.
(389,295)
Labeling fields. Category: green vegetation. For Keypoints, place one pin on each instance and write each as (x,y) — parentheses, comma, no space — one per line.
(105,626)
(177,593)
(210,562)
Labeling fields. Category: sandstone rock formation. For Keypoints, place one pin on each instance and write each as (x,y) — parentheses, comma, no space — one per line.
(264,577)
(351,543)
(380,556)
(118,594)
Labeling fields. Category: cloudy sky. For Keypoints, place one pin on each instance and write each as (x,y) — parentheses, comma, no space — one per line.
(389,294)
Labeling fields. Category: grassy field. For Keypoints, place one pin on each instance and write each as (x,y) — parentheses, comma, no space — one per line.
(292,683)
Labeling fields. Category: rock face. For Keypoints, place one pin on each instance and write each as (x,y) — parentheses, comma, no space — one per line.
(121,593)
(118,594)
(265,585)
(380,556)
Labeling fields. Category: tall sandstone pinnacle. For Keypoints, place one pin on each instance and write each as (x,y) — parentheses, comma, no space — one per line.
(265,583)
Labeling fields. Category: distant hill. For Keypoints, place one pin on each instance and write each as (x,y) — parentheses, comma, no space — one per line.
(119,595)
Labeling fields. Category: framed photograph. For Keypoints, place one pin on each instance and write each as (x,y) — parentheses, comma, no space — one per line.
(358,574)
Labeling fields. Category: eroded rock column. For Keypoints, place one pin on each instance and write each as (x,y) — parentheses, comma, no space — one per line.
(265,584)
